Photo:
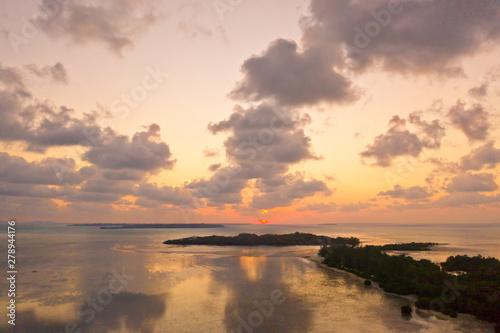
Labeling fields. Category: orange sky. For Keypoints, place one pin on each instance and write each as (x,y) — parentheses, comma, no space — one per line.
(362,135)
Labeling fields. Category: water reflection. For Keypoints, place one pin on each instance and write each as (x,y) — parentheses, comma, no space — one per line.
(199,289)
(127,312)
(253,267)
(260,300)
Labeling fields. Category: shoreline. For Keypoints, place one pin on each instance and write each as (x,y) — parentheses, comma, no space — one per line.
(423,313)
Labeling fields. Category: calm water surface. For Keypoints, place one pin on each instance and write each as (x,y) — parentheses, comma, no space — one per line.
(159,288)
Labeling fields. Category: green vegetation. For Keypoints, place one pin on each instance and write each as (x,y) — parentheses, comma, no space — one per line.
(476,292)
(408,246)
(268,239)
(406,310)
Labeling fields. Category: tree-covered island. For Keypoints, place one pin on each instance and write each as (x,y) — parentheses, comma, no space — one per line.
(246,239)
(475,290)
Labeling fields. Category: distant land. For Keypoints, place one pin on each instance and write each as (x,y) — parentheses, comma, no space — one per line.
(148,226)
(245,239)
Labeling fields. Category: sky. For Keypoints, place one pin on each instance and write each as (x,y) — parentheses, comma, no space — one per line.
(282,112)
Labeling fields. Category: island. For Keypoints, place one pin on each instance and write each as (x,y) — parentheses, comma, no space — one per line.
(149,226)
(246,239)
(408,246)
(476,290)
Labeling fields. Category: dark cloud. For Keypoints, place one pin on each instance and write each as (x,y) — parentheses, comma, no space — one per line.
(92,197)
(115,23)
(214,167)
(472,121)
(408,36)
(265,141)
(144,151)
(485,156)
(469,182)
(42,125)
(57,72)
(164,195)
(479,91)
(31,191)
(409,193)
(288,190)
(292,78)
(15,169)
(399,141)
(11,76)
(224,187)
(432,132)
(123,174)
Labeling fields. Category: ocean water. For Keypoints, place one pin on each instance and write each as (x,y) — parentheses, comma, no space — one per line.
(83,279)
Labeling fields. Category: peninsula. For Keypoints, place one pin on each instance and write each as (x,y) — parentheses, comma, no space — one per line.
(476,290)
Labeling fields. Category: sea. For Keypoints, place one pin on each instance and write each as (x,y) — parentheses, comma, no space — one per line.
(87,279)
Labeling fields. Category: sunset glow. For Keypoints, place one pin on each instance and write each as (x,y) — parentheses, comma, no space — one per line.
(205,126)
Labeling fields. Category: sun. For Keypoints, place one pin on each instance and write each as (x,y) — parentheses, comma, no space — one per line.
(263,221)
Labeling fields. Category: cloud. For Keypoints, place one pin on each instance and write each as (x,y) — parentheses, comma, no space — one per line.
(144,151)
(485,156)
(31,191)
(473,122)
(120,164)
(265,141)
(15,169)
(207,152)
(479,91)
(285,191)
(262,143)
(292,78)
(150,193)
(43,125)
(399,141)
(57,72)
(354,207)
(469,182)
(459,199)
(320,208)
(413,193)
(115,23)
(431,132)
(11,76)
(214,167)
(420,37)
(224,187)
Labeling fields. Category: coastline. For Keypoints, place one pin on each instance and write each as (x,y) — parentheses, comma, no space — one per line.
(411,298)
